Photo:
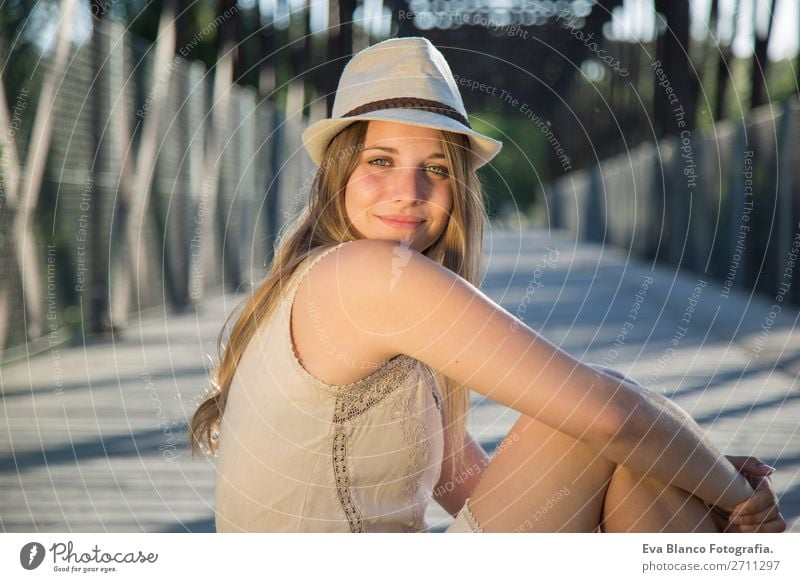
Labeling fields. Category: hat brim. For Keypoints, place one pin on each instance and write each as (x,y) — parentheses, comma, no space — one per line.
(318,135)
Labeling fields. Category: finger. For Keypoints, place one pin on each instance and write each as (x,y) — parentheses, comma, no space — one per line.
(763,502)
(777,525)
(752,465)
(753,479)
(752,509)
(763,517)
(755,466)
(762,498)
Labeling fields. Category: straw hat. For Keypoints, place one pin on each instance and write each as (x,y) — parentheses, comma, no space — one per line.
(405,80)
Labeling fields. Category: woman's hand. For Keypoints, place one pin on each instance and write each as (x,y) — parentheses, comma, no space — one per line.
(760,512)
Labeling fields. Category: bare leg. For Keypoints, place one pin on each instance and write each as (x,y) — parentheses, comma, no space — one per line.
(639,504)
(542,480)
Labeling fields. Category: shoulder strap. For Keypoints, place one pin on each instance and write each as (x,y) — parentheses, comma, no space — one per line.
(309,262)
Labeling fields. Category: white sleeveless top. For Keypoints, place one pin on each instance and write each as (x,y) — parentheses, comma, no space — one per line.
(299,455)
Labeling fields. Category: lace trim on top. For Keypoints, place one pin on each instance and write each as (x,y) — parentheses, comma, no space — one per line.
(470,518)
(362,400)
(342,477)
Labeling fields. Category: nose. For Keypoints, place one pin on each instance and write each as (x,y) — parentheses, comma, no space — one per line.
(409,183)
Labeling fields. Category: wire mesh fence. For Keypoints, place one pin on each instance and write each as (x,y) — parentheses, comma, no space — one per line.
(135,209)
(723,201)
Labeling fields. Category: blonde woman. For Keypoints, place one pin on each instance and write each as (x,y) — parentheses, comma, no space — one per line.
(341,395)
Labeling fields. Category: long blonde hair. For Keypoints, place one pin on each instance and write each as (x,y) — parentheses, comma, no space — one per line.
(324,223)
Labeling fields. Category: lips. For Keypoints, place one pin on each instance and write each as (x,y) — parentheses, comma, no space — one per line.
(402,221)
(403,218)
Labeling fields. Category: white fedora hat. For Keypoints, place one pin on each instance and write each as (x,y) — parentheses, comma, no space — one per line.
(406,80)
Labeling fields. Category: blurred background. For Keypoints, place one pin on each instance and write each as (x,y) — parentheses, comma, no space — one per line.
(168,132)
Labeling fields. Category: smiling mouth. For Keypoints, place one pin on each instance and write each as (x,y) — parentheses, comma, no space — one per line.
(402,222)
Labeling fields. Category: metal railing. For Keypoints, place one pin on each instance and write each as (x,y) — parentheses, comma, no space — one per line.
(723,201)
(131,178)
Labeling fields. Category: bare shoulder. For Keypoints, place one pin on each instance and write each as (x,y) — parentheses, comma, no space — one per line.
(386,289)
(357,293)
(341,306)
(374,278)
(373,269)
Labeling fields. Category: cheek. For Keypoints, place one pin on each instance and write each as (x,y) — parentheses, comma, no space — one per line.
(353,208)
(444,205)
(356,198)
(361,193)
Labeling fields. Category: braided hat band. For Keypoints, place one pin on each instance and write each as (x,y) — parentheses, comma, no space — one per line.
(410,103)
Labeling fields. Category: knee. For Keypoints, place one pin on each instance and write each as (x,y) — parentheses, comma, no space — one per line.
(628,480)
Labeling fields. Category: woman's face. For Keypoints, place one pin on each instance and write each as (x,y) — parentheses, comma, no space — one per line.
(400,188)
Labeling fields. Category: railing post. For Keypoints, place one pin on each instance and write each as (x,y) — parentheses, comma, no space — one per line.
(700,224)
(595,220)
(674,201)
(26,197)
(786,225)
(132,278)
(272,207)
(738,238)
(101,184)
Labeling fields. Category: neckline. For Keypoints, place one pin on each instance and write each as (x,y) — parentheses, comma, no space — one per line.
(336,389)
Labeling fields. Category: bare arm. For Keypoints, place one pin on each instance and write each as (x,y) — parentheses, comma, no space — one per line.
(406,303)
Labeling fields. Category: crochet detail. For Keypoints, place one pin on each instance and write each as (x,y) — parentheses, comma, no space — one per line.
(349,406)
(469,517)
(342,476)
(410,103)
(394,374)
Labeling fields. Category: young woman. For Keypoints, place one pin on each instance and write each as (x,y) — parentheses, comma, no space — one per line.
(341,396)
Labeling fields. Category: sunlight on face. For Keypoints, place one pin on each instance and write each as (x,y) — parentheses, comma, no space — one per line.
(400,188)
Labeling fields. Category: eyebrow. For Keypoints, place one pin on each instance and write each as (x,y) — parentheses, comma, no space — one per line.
(394,151)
